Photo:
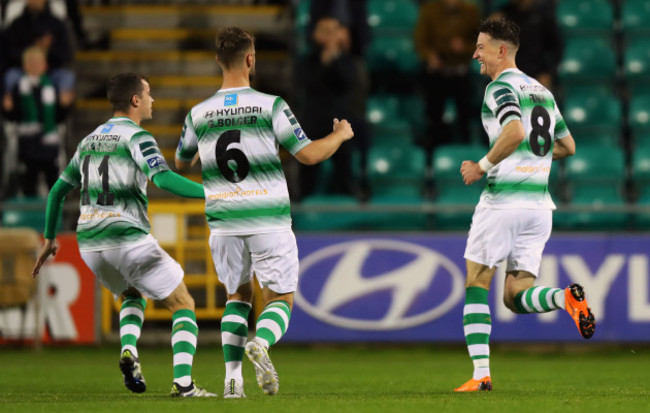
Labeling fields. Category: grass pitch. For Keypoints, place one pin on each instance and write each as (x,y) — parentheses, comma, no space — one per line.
(346,379)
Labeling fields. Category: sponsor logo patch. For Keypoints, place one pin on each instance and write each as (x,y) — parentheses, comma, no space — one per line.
(107,128)
(230,100)
(155,161)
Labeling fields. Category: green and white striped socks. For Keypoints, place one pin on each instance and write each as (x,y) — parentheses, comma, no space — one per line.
(234,333)
(273,323)
(131,319)
(184,334)
(477,325)
(539,300)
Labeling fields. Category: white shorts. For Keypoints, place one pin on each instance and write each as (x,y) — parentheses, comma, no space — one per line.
(518,235)
(144,266)
(273,257)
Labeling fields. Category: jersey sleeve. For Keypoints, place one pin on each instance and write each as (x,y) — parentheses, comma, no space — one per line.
(503,101)
(146,154)
(71,174)
(561,130)
(188,145)
(287,129)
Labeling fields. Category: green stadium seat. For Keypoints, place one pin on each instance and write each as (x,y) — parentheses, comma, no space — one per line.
(595,196)
(641,220)
(302,21)
(636,62)
(396,221)
(596,137)
(596,165)
(447,160)
(393,54)
(388,125)
(639,113)
(323,220)
(460,195)
(641,138)
(640,171)
(592,113)
(392,16)
(413,109)
(26,212)
(585,17)
(397,171)
(587,60)
(635,18)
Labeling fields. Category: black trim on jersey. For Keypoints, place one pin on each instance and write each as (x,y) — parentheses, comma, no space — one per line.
(505,116)
(505,105)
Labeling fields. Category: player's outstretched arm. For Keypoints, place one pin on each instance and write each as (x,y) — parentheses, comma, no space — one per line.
(564,147)
(321,149)
(52,214)
(178,185)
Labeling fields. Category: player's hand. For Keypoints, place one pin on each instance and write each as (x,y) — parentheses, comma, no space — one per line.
(344,128)
(471,172)
(50,248)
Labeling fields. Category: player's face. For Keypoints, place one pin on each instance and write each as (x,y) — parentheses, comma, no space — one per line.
(486,54)
(146,101)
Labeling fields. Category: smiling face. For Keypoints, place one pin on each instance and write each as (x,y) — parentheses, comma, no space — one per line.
(487,53)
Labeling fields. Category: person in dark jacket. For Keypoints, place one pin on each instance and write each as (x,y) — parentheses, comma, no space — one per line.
(37,26)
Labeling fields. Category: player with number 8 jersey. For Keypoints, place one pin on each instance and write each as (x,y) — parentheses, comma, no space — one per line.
(521,179)
(513,219)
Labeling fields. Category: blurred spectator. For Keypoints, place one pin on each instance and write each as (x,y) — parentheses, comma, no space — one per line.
(32,104)
(327,77)
(353,15)
(445,37)
(541,45)
(37,26)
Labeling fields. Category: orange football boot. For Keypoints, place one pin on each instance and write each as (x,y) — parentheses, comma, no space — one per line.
(576,305)
(485,384)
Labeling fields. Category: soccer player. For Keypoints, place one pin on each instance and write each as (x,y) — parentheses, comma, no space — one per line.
(513,219)
(111,165)
(237,133)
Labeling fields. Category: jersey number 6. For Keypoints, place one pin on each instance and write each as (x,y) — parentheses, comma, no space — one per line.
(232,162)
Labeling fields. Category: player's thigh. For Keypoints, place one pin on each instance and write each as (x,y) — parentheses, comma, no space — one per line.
(531,238)
(149,269)
(491,236)
(275,261)
(232,260)
(106,272)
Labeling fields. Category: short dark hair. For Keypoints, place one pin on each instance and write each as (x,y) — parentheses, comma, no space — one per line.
(232,45)
(121,88)
(501,29)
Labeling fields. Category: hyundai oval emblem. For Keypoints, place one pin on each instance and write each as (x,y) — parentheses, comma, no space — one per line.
(378,285)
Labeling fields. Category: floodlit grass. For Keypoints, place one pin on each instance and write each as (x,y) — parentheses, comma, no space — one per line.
(346,379)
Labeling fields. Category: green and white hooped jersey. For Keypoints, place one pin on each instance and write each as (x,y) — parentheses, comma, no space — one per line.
(521,180)
(237,133)
(112,165)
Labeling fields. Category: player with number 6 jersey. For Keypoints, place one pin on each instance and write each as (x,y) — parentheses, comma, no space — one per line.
(513,219)
(237,133)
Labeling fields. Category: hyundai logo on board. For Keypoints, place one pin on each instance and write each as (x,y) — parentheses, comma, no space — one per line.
(378,285)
